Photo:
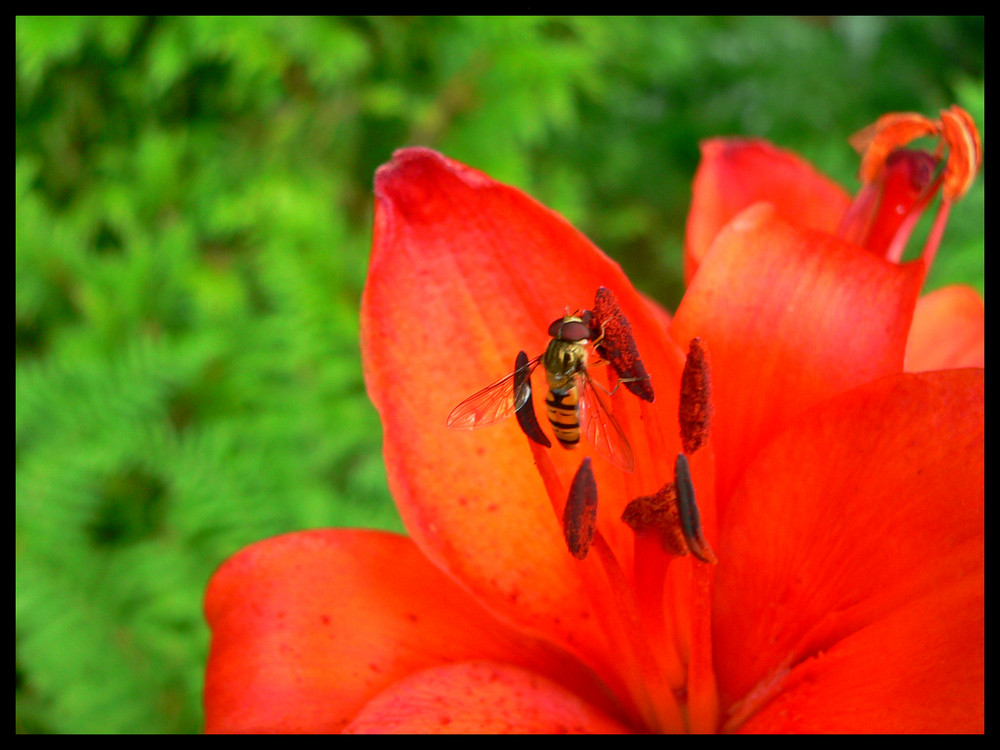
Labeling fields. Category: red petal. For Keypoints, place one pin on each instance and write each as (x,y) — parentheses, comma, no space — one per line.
(864,684)
(862,511)
(307,627)
(790,318)
(466,272)
(949,330)
(480,698)
(736,173)
(661,315)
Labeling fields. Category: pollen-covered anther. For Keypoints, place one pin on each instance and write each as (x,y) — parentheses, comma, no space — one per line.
(695,409)
(526,418)
(658,514)
(688,508)
(615,343)
(580,513)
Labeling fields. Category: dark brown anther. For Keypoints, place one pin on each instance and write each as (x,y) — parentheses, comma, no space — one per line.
(658,514)
(526,414)
(696,398)
(688,507)
(580,514)
(615,343)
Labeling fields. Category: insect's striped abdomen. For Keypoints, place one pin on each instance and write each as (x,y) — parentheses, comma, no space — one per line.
(563,411)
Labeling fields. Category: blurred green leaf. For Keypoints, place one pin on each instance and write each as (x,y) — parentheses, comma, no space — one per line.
(192,223)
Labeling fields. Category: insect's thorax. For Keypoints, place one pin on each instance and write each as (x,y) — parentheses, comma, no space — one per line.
(563,360)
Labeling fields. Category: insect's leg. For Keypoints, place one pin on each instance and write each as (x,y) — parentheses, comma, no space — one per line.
(600,338)
(614,390)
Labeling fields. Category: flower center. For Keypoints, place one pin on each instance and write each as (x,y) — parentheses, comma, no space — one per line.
(658,627)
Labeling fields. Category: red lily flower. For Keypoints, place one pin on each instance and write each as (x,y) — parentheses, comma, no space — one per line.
(843,598)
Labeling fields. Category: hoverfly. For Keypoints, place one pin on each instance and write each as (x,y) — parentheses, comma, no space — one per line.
(573,402)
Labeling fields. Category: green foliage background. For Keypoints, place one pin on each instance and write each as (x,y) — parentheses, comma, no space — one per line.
(193,214)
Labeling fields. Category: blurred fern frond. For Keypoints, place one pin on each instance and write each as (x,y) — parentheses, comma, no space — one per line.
(192,224)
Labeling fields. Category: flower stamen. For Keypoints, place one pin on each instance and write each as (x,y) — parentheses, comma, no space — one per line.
(689,517)
(695,410)
(671,515)
(580,513)
(617,345)
(657,515)
(526,418)
(646,691)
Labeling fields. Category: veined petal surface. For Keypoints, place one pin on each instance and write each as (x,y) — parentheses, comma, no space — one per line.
(849,526)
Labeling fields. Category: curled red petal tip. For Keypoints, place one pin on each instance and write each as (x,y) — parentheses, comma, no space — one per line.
(956,129)
(966,151)
(900,182)
(889,132)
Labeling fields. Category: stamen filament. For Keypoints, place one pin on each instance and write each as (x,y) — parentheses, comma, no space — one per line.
(656,697)
(651,565)
(935,233)
(894,252)
(647,691)
(693,608)
(654,432)
(702,690)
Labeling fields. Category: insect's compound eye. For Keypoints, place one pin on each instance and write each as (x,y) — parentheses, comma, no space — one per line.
(574,330)
(555,328)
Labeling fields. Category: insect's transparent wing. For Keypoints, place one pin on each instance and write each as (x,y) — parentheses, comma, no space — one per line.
(602,429)
(495,402)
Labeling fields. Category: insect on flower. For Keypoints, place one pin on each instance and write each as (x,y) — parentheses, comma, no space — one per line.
(573,401)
